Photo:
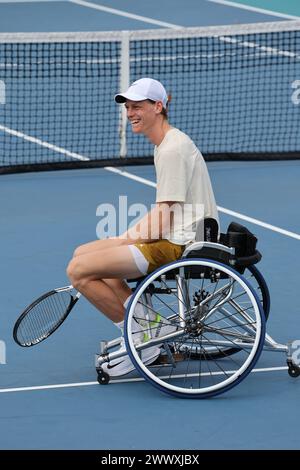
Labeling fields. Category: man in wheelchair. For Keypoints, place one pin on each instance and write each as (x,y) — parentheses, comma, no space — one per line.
(99,269)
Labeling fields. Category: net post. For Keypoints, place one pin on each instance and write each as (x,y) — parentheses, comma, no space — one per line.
(124,84)
(2,92)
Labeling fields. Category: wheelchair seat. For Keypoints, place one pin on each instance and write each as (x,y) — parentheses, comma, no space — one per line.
(213,247)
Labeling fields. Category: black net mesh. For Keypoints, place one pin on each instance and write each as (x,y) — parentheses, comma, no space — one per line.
(236,95)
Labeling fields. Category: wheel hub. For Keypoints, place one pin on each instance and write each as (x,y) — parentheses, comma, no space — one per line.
(194,324)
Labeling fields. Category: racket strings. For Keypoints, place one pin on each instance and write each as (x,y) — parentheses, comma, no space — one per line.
(44,317)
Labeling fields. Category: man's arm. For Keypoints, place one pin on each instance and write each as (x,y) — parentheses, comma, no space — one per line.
(155,225)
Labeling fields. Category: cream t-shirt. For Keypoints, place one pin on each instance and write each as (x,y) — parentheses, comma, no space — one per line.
(182,177)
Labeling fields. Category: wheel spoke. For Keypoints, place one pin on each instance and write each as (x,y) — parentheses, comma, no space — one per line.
(218,315)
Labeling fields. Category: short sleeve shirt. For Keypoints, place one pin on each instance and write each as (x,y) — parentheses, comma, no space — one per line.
(182,177)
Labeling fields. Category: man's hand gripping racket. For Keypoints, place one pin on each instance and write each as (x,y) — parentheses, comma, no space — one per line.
(41,318)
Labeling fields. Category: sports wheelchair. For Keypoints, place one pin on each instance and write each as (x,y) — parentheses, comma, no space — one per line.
(213,304)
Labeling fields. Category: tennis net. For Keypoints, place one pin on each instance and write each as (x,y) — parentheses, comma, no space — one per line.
(235,90)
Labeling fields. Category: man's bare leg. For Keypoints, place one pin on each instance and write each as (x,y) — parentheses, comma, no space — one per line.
(88,271)
(97,245)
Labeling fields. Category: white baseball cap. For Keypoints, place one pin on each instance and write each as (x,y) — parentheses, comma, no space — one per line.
(144,89)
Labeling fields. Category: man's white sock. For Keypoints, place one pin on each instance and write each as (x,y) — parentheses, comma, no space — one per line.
(120,325)
(139,310)
(127,301)
(136,327)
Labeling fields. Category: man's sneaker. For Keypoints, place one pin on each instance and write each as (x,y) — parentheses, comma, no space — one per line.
(157,327)
(123,364)
(154,327)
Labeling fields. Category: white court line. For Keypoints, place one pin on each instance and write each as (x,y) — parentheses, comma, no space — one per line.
(261,223)
(138,379)
(254,9)
(131,176)
(145,181)
(42,143)
(114,11)
(47,387)
(29,1)
(221,209)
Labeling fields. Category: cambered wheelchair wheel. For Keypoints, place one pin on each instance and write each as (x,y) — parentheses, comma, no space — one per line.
(259,285)
(192,307)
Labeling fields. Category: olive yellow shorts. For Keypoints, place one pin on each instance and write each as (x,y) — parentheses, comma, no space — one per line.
(160,252)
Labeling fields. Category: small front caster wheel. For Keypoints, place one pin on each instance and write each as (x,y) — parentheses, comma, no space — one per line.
(102,377)
(293,369)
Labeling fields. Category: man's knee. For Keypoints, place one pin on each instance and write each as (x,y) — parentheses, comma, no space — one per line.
(75,273)
(90,247)
(78,251)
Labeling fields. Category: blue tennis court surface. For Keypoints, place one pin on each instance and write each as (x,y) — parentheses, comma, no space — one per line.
(46,215)
(49,395)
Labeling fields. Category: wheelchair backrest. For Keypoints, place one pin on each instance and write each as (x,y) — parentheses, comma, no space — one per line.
(237,237)
(207,230)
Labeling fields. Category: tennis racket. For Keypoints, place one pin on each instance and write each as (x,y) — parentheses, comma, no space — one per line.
(41,318)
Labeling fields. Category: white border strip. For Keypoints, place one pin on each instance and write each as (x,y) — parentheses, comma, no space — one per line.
(84,36)
(144,34)
(221,209)
(254,9)
(88,384)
